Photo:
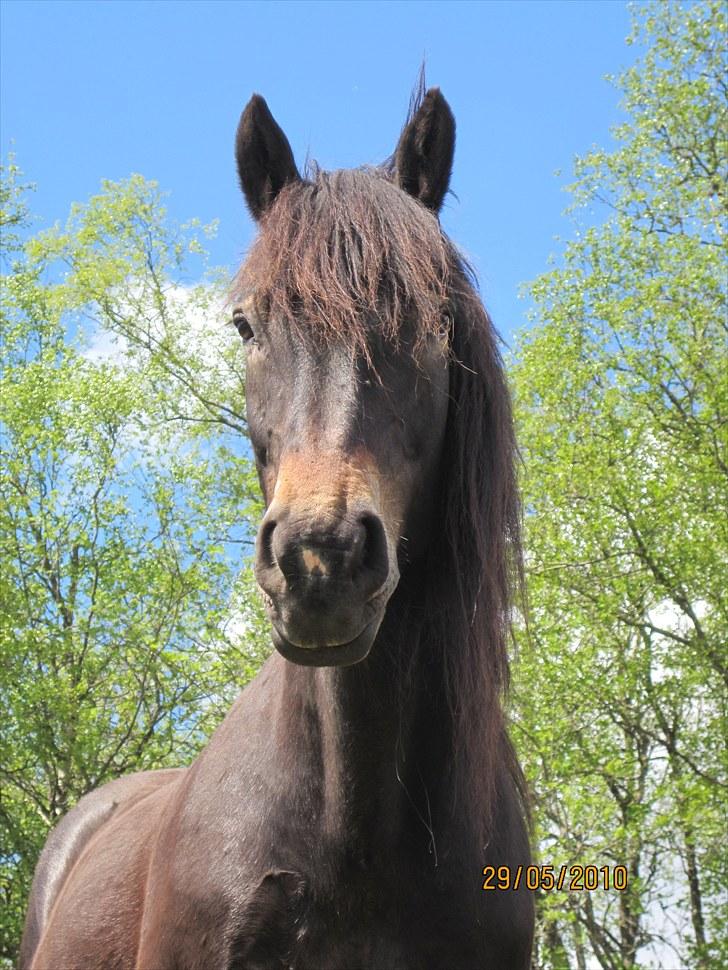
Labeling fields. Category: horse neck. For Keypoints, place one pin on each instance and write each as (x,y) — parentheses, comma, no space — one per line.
(377,731)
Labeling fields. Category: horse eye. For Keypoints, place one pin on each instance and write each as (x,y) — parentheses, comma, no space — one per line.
(242,325)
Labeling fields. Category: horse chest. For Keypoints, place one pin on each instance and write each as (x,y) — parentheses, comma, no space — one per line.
(385,917)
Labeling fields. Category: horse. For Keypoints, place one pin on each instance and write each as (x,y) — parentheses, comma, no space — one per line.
(342,814)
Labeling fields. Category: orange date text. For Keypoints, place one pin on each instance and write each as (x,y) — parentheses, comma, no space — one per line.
(548,878)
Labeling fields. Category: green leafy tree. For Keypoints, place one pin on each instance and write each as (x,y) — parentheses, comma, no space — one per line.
(125,502)
(622,401)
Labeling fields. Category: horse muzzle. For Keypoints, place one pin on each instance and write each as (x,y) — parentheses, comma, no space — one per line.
(326,580)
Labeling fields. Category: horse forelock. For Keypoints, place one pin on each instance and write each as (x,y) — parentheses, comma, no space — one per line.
(346,253)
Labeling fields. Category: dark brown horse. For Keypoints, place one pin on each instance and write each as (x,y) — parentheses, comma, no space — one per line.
(341,815)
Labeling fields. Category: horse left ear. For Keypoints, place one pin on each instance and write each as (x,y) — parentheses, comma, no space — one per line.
(423,159)
(264,157)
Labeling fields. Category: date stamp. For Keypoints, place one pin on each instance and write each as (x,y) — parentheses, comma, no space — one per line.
(548,878)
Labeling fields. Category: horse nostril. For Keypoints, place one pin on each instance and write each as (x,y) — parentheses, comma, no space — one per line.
(374,553)
(266,556)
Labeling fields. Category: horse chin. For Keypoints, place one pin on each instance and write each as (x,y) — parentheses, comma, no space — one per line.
(336,655)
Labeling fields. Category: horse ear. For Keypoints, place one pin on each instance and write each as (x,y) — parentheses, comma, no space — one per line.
(264,157)
(423,159)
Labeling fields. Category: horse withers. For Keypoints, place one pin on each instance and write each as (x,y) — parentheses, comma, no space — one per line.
(341,815)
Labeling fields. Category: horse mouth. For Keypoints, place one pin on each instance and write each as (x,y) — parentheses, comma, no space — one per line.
(331,655)
(317,631)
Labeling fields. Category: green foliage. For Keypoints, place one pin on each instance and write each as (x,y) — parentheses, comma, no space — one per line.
(125,506)
(622,401)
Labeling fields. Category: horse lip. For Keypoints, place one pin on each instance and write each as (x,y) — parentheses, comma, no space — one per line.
(374,608)
(332,655)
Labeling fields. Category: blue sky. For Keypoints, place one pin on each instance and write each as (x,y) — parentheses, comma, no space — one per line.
(94,90)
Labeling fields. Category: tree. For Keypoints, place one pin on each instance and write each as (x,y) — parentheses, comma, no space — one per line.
(125,500)
(622,402)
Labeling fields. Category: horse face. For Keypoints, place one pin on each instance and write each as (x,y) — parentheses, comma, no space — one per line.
(347,450)
(347,428)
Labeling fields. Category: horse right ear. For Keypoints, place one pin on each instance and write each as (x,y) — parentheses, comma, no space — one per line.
(264,157)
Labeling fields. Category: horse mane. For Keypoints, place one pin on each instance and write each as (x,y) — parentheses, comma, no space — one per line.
(346,253)
(476,561)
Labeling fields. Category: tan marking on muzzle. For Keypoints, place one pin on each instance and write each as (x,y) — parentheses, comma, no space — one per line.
(319,481)
(314,563)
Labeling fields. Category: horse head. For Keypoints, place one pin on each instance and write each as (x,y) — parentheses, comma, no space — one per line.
(344,311)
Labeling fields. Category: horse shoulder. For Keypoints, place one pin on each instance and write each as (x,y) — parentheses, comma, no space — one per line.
(89,842)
